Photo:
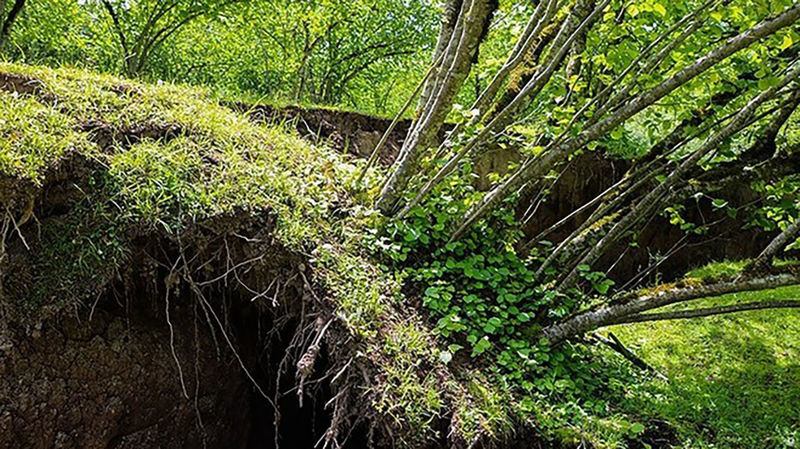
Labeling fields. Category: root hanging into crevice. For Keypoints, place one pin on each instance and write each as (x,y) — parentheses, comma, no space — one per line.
(305,366)
(237,337)
(275,326)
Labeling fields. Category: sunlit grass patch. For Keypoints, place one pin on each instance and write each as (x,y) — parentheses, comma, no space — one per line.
(33,137)
(733,378)
(717,269)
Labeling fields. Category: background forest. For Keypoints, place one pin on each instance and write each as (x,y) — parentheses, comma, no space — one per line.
(358,54)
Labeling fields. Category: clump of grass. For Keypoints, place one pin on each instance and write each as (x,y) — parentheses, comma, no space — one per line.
(33,137)
(415,397)
(482,411)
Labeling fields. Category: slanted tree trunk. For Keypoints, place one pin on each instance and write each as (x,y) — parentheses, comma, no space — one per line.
(776,245)
(618,312)
(630,308)
(471,27)
(709,311)
(577,23)
(720,178)
(526,51)
(450,16)
(9,19)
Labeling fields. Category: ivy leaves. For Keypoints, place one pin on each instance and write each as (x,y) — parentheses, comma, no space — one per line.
(483,297)
(598,280)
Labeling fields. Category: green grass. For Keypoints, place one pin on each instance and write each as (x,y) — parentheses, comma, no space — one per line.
(33,136)
(733,379)
(220,162)
(717,269)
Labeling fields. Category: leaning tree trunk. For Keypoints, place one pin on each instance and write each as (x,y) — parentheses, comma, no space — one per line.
(762,262)
(473,23)
(449,19)
(8,20)
(617,313)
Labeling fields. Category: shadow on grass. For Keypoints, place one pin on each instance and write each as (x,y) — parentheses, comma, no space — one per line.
(734,380)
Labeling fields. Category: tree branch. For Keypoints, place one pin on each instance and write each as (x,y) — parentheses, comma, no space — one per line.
(12,16)
(708,311)
(617,346)
(117,25)
(777,244)
(659,297)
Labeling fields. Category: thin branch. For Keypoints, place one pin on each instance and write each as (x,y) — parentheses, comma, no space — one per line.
(617,346)
(709,311)
(117,25)
(374,156)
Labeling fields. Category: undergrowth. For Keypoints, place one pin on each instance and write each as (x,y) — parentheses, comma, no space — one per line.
(485,300)
(477,360)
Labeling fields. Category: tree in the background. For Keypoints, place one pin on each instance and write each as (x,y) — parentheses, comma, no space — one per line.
(142,26)
(329,43)
(363,54)
(9,11)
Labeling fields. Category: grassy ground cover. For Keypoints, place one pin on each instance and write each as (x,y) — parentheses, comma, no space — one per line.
(733,379)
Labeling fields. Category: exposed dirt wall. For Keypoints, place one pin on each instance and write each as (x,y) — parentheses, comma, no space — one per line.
(144,368)
(355,133)
(112,382)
